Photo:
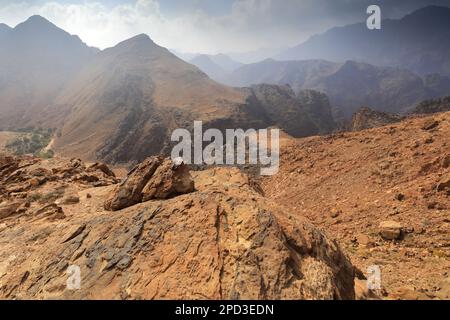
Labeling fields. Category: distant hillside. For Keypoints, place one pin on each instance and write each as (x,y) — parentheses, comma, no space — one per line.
(419,42)
(349,85)
(433,106)
(124,105)
(217,67)
(36,61)
(121,104)
(366,118)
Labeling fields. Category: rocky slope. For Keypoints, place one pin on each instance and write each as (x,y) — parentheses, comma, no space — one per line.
(224,240)
(384,193)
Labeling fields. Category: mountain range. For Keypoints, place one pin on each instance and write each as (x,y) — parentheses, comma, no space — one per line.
(121,104)
(418,42)
(349,85)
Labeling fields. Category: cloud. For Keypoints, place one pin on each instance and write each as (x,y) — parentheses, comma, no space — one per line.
(247,25)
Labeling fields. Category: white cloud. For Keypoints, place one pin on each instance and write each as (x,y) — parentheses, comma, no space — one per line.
(102,26)
(249,25)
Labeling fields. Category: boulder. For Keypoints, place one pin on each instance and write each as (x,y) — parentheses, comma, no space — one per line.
(129,192)
(169,180)
(103,168)
(391,230)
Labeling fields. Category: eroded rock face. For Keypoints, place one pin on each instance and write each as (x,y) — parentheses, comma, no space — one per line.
(155,178)
(224,241)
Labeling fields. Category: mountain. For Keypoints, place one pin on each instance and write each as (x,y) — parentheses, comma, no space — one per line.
(124,105)
(121,104)
(208,66)
(217,67)
(225,62)
(4,30)
(418,42)
(36,60)
(349,85)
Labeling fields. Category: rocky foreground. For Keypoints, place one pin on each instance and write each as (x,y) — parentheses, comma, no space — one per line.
(384,194)
(161,233)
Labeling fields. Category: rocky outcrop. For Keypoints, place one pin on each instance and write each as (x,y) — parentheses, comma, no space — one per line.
(366,118)
(29,184)
(224,241)
(155,178)
(433,106)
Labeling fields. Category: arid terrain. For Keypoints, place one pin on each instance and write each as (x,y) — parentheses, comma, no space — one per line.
(220,234)
(92,207)
(347,184)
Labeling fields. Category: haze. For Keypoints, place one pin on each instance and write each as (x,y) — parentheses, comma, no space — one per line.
(201,26)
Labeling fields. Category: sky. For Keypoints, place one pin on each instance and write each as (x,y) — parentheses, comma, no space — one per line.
(203,26)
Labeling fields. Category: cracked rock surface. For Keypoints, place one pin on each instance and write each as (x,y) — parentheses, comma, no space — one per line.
(223,241)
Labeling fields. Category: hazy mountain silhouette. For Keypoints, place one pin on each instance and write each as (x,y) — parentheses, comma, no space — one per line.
(349,85)
(36,61)
(124,104)
(419,42)
(208,66)
(217,67)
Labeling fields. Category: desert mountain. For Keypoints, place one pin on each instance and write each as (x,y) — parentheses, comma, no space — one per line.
(125,103)
(122,104)
(36,60)
(418,42)
(349,85)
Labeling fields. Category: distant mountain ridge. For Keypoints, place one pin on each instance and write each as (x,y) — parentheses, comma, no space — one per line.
(217,67)
(121,104)
(36,60)
(418,42)
(125,103)
(349,85)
